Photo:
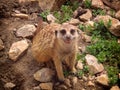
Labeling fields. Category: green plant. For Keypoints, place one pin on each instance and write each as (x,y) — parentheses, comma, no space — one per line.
(64,15)
(112,13)
(106,48)
(66,73)
(44,14)
(112,74)
(87,3)
(98,12)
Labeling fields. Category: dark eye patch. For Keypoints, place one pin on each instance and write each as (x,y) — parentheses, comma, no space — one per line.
(72,31)
(63,31)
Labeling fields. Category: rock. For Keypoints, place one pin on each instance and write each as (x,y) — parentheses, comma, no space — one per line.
(79,11)
(46,86)
(1,45)
(36,88)
(74,21)
(74,80)
(89,23)
(44,75)
(93,65)
(86,38)
(26,31)
(87,16)
(117,15)
(119,75)
(67,82)
(103,79)
(84,78)
(115,23)
(90,83)
(9,85)
(79,65)
(97,4)
(115,88)
(119,41)
(20,15)
(63,87)
(115,4)
(51,18)
(17,49)
(50,4)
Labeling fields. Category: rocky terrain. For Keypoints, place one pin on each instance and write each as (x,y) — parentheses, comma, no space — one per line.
(18,23)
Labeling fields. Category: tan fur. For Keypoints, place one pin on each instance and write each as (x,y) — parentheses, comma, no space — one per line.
(46,47)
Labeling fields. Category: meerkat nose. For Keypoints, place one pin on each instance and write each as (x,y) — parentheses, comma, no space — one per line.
(68,37)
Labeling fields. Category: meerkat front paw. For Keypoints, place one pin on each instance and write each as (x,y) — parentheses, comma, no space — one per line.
(73,70)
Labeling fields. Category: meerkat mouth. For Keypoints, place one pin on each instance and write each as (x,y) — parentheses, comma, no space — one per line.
(67,41)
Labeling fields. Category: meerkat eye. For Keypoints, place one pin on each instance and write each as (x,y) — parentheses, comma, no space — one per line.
(63,31)
(72,31)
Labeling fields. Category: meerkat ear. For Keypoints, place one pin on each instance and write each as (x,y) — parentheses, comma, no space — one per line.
(56,32)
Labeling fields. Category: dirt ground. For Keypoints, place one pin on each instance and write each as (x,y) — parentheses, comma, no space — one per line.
(21,71)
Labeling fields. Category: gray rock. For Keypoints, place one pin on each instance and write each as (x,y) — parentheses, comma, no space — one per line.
(46,86)
(44,75)
(93,65)
(1,45)
(17,49)
(26,31)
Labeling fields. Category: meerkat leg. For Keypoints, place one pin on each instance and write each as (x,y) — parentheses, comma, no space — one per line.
(70,61)
(59,70)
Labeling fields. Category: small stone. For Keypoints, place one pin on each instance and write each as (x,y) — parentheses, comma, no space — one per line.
(20,15)
(87,16)
(36,88)
(119,75)
(103,79)
(115,88)
(91,77)
(63,87)
(84,78)
(67,82)
(74,21)
(9,85)
(93,64)
(97,4)
(90,83)
(74,80)
(1,45)
(117,15)
(89,23)
(79,65)
(86,38)
(44,75)
(51,18)
(17,49)
(26,31)
(46,86)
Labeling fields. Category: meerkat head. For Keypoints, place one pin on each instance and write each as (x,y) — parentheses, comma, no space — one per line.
(67,34)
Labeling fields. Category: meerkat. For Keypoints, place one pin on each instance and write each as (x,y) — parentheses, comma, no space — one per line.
(57,42)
